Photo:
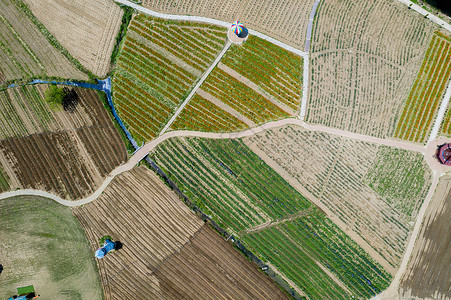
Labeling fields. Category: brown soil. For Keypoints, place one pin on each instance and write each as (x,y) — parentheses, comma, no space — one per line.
(168,252)
(427,275)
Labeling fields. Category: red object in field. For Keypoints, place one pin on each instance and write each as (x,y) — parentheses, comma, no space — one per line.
(444,154)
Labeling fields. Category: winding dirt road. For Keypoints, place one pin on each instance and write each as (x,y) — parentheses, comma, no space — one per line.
(142,152)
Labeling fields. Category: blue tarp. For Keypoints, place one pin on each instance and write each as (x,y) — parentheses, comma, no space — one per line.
(107,247)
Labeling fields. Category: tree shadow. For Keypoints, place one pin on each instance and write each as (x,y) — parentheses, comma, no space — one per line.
(117,245)
(70,100)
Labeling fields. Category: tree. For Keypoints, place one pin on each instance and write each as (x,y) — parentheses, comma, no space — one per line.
(54,95)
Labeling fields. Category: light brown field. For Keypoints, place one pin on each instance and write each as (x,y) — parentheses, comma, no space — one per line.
(25,52)
(365,56)
(428,273)
(168,252)
(67,153)
(87,29)
(371,192)
(284,20)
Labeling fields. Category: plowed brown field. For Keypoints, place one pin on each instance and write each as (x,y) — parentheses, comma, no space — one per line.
(428,273)
(168,252)
(68,153)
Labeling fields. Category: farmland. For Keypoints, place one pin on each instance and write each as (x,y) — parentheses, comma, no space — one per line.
(305,248)
(157,66)
(202,115)
(427,274)
(76,149)
(424,99)
(250,192)
(283,20)
(90,32)
(43,244)
(351,184)
(229,101)
(241,97)
(259,60)
(365,56)
(25,52)
(248,198)
(168,252)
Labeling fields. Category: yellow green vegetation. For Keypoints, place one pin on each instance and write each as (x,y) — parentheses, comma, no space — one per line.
(42,243)
(423,102)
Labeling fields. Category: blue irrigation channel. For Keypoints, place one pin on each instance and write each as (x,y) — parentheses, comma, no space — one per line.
(102,85)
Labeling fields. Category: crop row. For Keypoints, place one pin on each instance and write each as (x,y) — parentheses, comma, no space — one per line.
(202,115)
(298,247)
(240,97)
(179,41)
(276,70)
(229,180)
(425,96)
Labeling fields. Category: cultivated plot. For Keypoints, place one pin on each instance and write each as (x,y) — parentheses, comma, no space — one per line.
(427,274)
(25,52)
(283,20)
(248,198)
(167,251)
(375,191)
(424,99)
(157,66)
(87,29)
(42,244)
(68,153)
(251,85)
(364,59)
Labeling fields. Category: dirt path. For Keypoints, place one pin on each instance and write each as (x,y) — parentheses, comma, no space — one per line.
(427,14)
(440,114)
(392,291)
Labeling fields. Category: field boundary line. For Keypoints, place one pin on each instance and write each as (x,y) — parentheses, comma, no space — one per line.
(308,36)
(143,151)
(441,114)
(196,87)
(427,14)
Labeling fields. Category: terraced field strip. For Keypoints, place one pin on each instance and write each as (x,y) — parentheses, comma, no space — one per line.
(202,115)
(415,123)
(260,61)
(157,66)
(25,52)
(242,98)
(168,252)
(322,260)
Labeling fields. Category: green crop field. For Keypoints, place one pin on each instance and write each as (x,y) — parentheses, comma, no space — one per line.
(228,181)
(157,66)
(403,190)
(44,245)
(424,99)
(248,198)
(4,181)
(305,247)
